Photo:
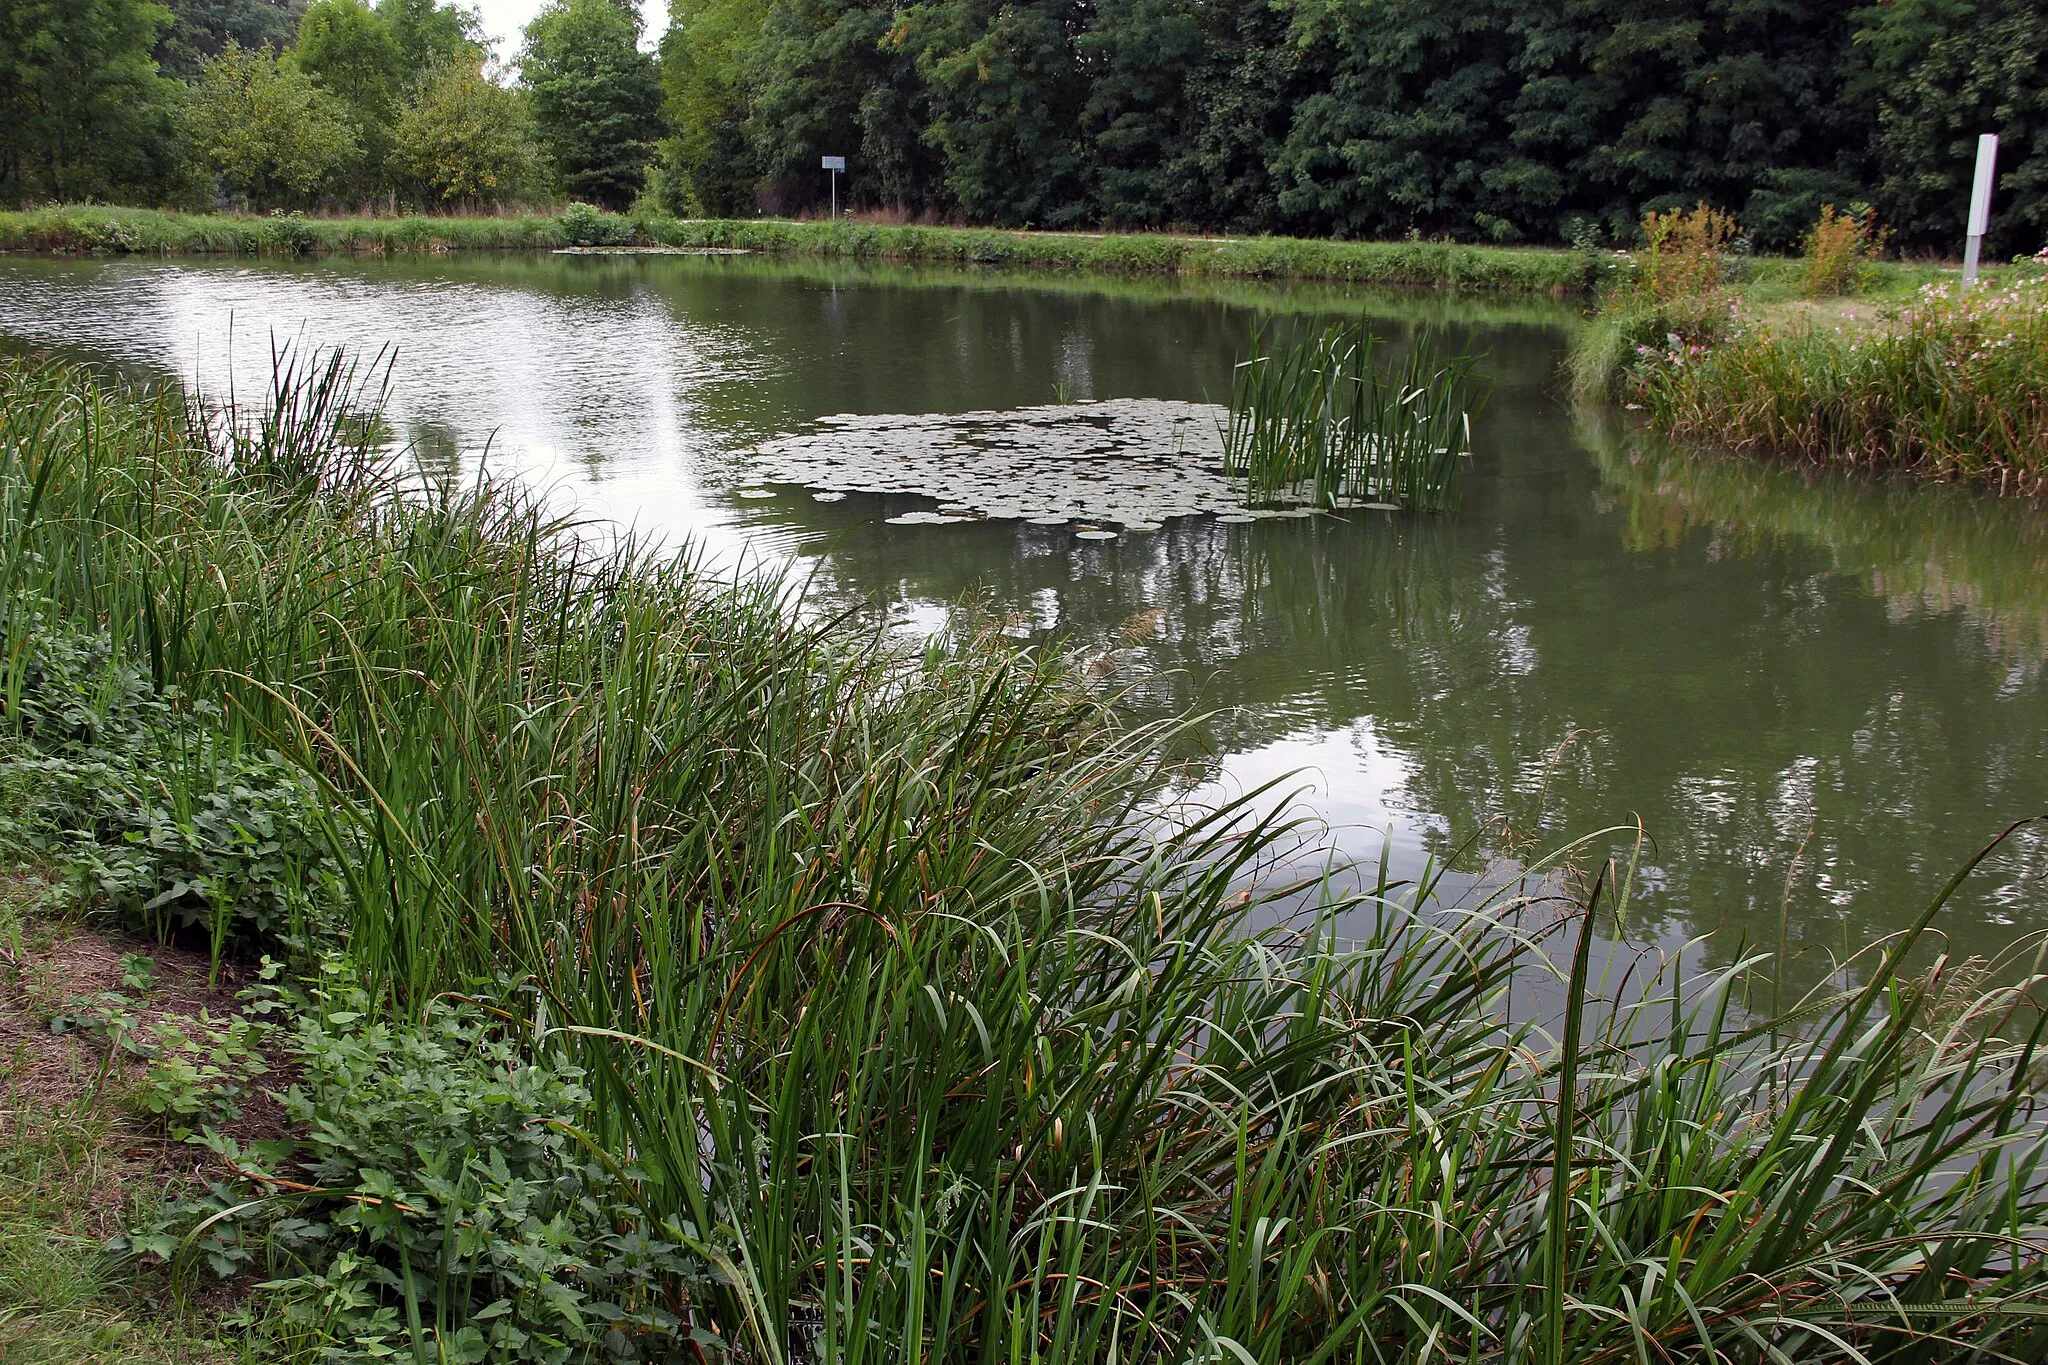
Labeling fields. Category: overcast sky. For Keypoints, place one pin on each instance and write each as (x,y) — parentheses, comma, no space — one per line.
(503,19)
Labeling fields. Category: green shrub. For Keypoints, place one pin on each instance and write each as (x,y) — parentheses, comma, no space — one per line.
(585,225)
(292,234)
(438,1190)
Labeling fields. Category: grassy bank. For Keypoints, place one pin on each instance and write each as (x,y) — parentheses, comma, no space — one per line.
(670,975)
(1838,360)
(1521,269)
(1953,386)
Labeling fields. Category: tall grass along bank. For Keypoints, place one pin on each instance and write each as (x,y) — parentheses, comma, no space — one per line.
(1953,386)
(667,974)
(117,230)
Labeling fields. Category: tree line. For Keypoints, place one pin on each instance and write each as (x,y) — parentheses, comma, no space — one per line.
(276,104)
(1540,121)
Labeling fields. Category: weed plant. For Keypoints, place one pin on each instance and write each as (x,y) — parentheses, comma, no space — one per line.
(1317,421)
(1683,256)
(1670,294)
(908,1024)
(1841,251)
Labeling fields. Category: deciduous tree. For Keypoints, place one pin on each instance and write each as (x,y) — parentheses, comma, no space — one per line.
(83,112)
(272,136)
(350,52)
(462,142)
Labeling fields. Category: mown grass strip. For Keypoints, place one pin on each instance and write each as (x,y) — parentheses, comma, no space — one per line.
(95,229)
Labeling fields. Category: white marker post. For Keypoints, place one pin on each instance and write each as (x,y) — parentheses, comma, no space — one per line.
(837,164)
(1980,205)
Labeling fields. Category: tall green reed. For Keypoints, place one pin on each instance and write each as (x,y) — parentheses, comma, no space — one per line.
(1316,421)
(914,1020)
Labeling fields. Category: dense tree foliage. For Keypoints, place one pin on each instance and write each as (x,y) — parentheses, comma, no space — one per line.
(1542,121)
(431,34)
(1505,120)
(200,30)
(275,103)
(708,160)
(596,97)
(349,51)
(461,143)
(84,113)
(1949,71)
(268,131)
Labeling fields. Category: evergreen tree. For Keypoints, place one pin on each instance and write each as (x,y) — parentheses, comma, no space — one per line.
(596,97)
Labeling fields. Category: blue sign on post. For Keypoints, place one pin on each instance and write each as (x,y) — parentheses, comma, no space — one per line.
(835,164)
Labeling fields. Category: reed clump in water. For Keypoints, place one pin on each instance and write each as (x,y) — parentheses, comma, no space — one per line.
(1317,421)
(907,1029)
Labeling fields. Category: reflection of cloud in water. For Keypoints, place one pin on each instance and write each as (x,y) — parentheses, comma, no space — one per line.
(1737,652)
(1351,781)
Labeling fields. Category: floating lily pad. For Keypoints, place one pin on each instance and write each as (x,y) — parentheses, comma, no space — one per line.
(828,497)
(1095,535)
(1134,462)
(925,519)
(757,492)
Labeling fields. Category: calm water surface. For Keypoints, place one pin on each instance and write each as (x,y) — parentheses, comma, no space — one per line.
(1751,660)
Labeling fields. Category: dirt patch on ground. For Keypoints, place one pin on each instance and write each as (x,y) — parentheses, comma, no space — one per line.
(78,1076)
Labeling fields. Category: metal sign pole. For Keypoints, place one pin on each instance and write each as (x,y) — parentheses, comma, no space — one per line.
(835,164)
(1980,205)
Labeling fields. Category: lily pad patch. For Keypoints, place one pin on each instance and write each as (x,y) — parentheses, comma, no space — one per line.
(1131,462)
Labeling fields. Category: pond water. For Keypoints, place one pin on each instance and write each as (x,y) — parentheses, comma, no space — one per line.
(1819,696)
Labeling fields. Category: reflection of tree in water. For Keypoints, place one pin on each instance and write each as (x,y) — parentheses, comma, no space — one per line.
(1745,652)
(1937,736)
(1734,688)
(1924,550)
